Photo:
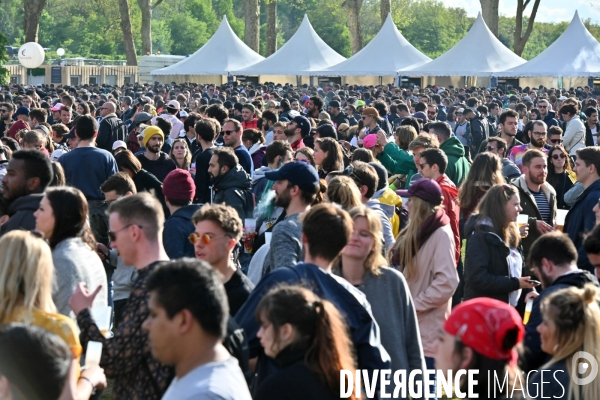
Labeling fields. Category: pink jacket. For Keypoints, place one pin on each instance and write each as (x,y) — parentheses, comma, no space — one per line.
(434,286)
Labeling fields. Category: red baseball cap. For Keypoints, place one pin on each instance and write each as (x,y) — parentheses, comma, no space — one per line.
(483,324)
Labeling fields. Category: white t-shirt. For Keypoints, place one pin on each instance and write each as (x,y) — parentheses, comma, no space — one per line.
(594,131)
(221,380)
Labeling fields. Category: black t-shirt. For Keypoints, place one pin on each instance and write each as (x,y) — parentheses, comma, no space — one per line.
(238,289)
(159,168)
(202,178)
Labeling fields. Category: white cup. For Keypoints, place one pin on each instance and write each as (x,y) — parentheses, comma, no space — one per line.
(561,215)
(522,219)
(268,236)
(93,354)
(101,316)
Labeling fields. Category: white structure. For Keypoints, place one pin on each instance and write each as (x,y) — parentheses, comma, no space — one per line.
(153,62)
(302,55)
(575,53)
(387,53)
(479,53)
(223,53)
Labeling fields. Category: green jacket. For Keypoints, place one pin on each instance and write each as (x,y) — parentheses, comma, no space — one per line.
(397,161)
(458,165)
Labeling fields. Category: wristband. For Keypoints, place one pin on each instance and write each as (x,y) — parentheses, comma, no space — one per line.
(87,379)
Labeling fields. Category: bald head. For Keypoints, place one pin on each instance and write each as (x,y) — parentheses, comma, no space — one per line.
(111,107)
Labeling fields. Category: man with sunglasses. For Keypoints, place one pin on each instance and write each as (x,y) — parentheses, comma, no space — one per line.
(232,137)
(136,225)
(218,229)
(6,113)
(549,117)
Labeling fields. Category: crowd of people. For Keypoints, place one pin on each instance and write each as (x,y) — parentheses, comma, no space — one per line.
(252,241)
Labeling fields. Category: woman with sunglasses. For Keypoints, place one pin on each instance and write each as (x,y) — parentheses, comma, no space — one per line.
(62,218)
(560,174)
(26,276)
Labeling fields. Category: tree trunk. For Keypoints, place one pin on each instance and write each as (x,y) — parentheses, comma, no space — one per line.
(127,32)
(520,38)
(271,27)
(353,8)
(489,11)
(33,14)
(252,21)
(386,8)
(146,9)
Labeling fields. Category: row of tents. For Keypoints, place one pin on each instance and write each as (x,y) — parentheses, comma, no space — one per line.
(576,53)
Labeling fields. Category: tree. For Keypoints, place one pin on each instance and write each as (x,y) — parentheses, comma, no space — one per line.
(33,14)
(128,42)
(4,74)
(385,9)
(147,7)
(353,7)
(489,11)
(252,21)
(272,28)
(520,38)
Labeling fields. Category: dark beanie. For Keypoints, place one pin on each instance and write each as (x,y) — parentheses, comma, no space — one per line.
(179,185)
(381,173)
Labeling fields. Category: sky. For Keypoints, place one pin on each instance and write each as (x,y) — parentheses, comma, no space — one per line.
(548,11)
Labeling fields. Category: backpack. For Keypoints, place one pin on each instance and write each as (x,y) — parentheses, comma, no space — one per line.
(99,221)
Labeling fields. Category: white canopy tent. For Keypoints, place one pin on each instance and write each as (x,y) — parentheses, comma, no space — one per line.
(303,54)
(575,53)
(388,52)
(223,53)
(479,53)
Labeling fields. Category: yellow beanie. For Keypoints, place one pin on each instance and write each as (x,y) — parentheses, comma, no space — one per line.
(151,131)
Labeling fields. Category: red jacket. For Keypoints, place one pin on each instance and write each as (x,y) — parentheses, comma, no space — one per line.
(450,203)
(16,127)
(250,124)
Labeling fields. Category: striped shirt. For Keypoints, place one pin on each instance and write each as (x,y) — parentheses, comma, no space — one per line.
(542,205)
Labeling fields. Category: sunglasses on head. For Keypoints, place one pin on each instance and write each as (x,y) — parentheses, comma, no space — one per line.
(204,238)
(557,156)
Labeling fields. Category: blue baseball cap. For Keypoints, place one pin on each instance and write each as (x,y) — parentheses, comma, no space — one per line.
(303,123)
(299,173)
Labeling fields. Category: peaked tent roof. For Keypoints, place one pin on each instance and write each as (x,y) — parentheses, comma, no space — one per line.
(575,53)
(388,52)
(223,53)
(479,53)
(304,53)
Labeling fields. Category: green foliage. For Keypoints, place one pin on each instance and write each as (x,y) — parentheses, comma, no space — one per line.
(4,75)
(91,28)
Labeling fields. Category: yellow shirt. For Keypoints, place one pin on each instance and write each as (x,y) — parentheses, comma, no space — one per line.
(58,324)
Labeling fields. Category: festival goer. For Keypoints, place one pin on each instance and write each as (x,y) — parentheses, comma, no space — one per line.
(186,327)
(28,174)
(458,165)
(493,263)
(179,191)
(62,218)
(363,265)
(537,140)
(153,159)
(207,130)
(231,184)
(136,224)
(218,229)
(485,173)
(296,130)
(574,136)
(308,339)
(553,259)
(278,153)
(570,320)
(328,156)
(181,154)
(498,146)
(342,190)
(425,253)
(580,219)
(394,156)
(469,341)
(254,140)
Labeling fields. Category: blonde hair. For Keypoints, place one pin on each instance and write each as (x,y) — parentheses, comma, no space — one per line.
(576,315)
(26,274)
(375,260)
(343,191)
(404,252)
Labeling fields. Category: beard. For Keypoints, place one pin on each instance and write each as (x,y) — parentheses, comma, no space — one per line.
(539,143)
(538,180)
(289,132)
(283,200)
(154,149)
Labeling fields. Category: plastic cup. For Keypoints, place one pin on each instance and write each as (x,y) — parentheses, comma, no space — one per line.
(561,215)
(93,354)
(101,316)
(522,220)
(268,236)
(528,309)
